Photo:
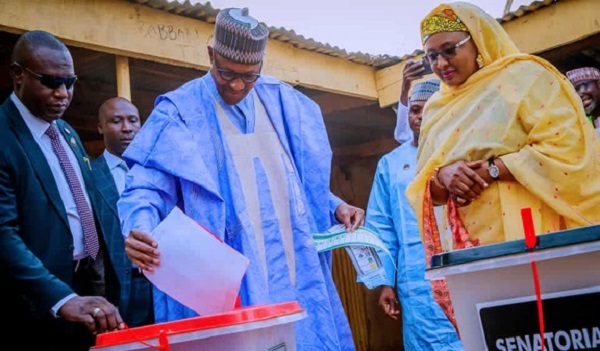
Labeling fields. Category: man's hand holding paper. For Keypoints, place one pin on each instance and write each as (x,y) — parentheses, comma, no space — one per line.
(142,250)
(195,267)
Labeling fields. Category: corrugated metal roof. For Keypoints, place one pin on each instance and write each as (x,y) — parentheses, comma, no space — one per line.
(205,12)
(525,9)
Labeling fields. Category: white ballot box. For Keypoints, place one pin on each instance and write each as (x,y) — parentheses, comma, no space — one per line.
(493,294)
(255,328)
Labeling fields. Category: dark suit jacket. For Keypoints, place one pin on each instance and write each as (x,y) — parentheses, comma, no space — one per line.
(136,292)
(36,244)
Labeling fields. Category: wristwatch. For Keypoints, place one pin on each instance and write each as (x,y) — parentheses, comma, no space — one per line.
(493,169)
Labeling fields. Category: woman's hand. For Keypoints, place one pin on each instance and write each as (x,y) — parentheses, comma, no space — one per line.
(462,181)
(483,169)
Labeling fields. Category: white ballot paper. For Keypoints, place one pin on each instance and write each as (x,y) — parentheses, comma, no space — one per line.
(196,268)
(362,246)
(337,236)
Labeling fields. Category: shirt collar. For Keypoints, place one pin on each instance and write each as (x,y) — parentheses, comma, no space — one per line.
(112,161)
(36,125)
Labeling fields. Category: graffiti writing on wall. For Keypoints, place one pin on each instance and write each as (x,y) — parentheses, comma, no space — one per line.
(167,32)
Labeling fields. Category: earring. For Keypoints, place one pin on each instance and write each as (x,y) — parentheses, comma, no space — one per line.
(479,60)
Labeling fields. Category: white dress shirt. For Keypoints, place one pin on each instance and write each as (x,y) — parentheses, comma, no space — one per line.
(118,169)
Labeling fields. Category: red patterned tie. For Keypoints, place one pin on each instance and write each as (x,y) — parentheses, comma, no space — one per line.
(83,209)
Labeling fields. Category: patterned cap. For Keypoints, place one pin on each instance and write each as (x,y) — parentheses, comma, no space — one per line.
(239,37)
(423,91)
(582,74)
(443,21)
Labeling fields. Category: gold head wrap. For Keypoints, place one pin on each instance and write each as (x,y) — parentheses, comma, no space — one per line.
(491,39)
(442,20)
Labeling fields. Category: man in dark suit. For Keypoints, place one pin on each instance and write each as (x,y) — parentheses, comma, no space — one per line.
(118,123)
(60,285)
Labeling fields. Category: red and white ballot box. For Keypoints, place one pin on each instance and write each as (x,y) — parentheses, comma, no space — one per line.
(254,328)
(494,300)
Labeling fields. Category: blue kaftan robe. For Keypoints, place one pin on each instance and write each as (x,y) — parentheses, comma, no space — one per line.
(425,326)
(180,158)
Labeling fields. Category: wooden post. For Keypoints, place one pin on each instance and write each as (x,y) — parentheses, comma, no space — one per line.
(123,80)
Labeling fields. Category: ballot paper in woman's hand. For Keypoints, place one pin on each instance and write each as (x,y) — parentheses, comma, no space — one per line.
(196,268)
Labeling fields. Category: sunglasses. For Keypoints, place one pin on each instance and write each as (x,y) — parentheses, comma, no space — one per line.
(229,75)
(49,81)
(446,53)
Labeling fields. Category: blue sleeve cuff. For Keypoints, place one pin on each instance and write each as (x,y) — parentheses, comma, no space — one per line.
(334,202)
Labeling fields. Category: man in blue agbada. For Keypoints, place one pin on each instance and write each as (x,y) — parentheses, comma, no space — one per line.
(248,157)
(425,326)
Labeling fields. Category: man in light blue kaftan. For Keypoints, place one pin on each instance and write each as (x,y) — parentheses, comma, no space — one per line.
(248,157)
(425,326)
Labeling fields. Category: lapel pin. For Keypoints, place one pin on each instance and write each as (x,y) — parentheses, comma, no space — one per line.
(87,160)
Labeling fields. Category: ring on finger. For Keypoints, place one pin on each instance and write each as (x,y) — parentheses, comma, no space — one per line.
(460,200)
(96,311)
